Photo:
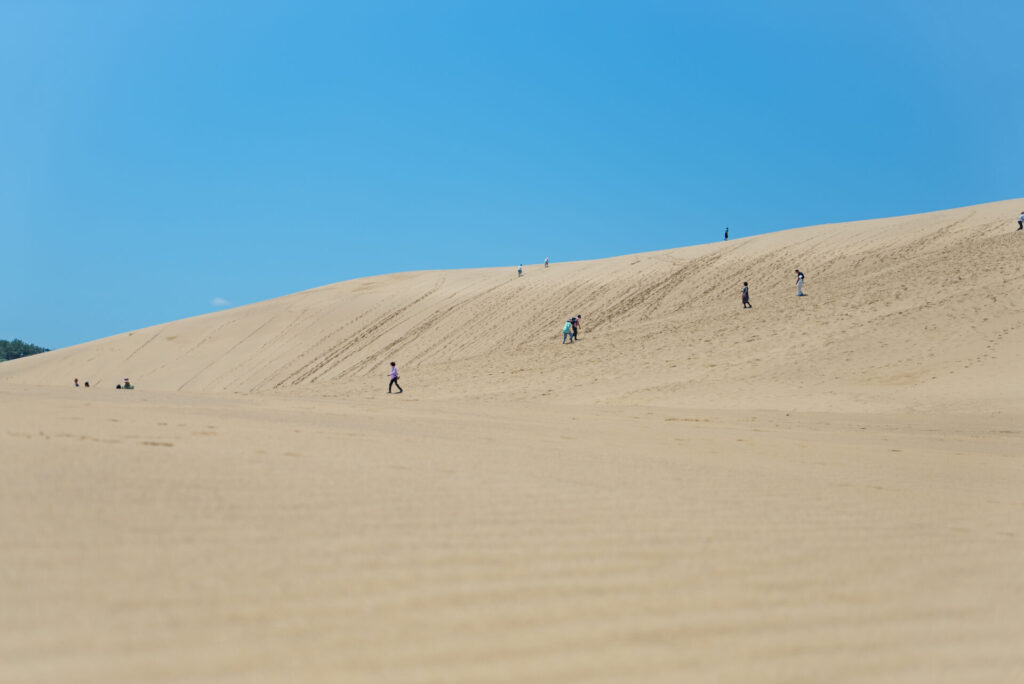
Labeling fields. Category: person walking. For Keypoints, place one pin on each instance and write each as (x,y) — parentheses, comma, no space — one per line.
(746,297)
(520,271)
(1020,221)
(727,233)
(545,262)
(394,378)
(579,326)
(799,283)
(575,327)
(567,331)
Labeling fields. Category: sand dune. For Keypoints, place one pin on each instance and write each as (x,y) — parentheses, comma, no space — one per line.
(919,312)
(825,488)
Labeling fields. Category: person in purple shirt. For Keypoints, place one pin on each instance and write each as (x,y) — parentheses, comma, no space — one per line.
(394,378)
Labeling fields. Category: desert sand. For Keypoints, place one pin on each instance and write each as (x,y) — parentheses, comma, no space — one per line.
(826,488)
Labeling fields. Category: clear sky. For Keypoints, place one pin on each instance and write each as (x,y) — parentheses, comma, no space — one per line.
(161,159)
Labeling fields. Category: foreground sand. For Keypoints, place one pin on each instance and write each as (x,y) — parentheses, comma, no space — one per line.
(162,537)
(820,489)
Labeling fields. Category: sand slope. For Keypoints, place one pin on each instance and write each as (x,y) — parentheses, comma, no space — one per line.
(820,489)
(917,311)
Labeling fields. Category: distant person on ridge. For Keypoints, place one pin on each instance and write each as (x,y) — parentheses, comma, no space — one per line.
(1020,221)
(567,331)
(546,259)
(520,270)
(745,296)
(799,283)
(727,233)
(394,378)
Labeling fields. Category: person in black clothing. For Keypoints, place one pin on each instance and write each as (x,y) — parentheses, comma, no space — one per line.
(727,233)
(746,297)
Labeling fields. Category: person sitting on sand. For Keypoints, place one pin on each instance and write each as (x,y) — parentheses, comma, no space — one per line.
(394,378)
(128,385)
(567,331)
(745,296)
(86,383)
(76,382)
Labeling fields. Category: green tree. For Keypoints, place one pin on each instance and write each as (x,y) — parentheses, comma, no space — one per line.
(15,349)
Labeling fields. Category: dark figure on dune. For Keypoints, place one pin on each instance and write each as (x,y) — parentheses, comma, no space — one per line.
(394,378)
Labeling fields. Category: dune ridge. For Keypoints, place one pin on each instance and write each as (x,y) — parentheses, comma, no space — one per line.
(915,311)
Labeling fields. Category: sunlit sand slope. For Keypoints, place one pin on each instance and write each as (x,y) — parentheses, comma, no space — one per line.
(920,310)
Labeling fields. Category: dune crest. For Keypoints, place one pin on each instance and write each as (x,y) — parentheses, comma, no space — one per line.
(916,312)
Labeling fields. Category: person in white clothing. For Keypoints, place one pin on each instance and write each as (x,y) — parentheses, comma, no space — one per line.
(1020,221)
(799,283)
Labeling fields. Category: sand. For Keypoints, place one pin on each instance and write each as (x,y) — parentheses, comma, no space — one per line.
(826,488)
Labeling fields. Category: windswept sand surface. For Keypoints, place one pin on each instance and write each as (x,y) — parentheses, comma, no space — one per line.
(820,489)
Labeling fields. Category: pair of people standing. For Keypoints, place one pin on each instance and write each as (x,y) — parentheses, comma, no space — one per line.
(745,293)
(571,329)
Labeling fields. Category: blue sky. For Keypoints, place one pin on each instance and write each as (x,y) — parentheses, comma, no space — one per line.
(159,159)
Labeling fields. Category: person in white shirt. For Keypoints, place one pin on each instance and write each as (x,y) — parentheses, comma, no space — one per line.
(1020,221)
(799,283)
